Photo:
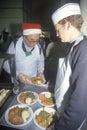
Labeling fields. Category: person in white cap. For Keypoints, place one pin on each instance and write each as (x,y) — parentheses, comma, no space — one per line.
(29,58)
(71,82)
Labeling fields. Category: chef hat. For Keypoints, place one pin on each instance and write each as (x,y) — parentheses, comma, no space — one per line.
(65,11)
(29,28)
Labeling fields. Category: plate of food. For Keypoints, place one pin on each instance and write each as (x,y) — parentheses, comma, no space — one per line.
(19,115)
(43,117)
(37,81)
(46,99)
(27,98)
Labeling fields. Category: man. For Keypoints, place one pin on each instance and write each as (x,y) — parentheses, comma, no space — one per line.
(4,40)
(29,58)
(71,82)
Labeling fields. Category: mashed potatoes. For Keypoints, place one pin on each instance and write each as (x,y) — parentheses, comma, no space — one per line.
(25,115)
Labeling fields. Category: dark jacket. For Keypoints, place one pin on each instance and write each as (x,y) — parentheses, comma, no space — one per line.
(76,111)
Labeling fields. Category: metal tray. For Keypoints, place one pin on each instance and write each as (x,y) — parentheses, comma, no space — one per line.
(4,94)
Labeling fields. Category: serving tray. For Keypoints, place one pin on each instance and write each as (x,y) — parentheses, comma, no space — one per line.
(4,94)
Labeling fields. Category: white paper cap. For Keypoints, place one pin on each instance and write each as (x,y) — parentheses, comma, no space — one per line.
(65,11)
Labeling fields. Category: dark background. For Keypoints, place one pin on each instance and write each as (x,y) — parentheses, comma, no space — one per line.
(39,11)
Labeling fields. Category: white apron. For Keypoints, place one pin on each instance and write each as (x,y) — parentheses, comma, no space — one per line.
(62,82)
(24,64)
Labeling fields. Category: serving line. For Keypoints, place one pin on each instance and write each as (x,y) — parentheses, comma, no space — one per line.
(31,125)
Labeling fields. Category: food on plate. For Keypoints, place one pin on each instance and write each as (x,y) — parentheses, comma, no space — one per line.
(18,115)
(25,115)
(45,116)
(46,99)
(36,80)
(27,97)
(28,100)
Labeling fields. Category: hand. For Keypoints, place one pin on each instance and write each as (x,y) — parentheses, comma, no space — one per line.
(41,76)
(47,84)
(24,78)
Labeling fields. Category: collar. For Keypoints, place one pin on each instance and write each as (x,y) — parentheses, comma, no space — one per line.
(75,41)
(27,53)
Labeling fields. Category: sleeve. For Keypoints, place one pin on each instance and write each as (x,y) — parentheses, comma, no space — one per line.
(76,112)
(11,50)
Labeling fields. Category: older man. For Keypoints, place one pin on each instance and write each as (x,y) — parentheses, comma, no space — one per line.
(29,58)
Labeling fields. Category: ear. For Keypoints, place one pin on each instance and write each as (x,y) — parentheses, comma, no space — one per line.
(68,24)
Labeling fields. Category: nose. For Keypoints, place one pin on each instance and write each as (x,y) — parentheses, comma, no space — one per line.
(57,34)
(33,43)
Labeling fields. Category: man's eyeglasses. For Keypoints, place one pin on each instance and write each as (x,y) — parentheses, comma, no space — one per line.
(31,41)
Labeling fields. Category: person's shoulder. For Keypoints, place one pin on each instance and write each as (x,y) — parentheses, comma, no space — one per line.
(85,39)
(81,48)
(84,42)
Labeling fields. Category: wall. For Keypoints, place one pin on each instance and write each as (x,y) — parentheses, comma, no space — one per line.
(15,12)
(83,4)
(12,14)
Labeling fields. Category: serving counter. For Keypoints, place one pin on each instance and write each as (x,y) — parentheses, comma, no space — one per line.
(13,101)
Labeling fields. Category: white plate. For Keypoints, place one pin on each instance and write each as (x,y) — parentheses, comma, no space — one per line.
(46,93)
(28,103)
(41,85)
(25,123)
(50,110)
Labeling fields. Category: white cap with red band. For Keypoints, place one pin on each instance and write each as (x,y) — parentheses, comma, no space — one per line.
(29,28)
(65,11)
